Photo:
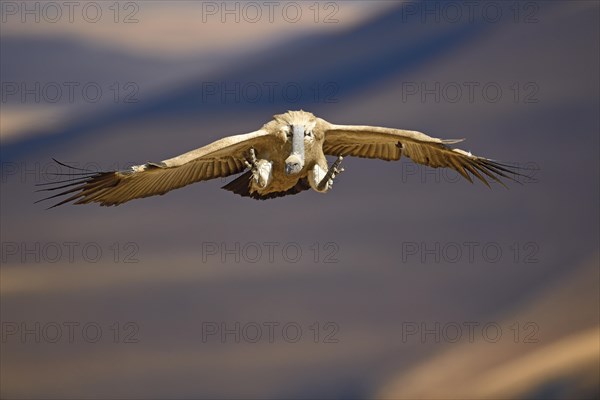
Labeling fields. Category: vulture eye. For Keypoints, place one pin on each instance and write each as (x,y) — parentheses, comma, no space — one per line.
(308,133)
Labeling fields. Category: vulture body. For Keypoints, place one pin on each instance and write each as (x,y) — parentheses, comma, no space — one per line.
(284,157)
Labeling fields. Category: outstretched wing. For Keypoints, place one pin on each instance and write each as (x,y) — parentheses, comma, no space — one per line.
(221,158)
(390,144)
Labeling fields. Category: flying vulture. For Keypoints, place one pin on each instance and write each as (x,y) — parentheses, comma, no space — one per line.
(286,156)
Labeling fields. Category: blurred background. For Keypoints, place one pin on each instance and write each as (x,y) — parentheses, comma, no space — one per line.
(403,282)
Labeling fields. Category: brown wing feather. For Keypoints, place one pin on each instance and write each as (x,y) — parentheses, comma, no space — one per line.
(222,158)
(241,186)
(390,144)
(382,151)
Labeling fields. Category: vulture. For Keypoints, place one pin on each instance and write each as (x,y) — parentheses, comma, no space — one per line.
(284,157)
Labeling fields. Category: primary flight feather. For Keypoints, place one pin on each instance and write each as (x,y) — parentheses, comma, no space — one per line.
(285,156)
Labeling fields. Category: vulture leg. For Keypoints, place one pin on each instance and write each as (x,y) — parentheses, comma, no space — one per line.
(327,181)
(262,170)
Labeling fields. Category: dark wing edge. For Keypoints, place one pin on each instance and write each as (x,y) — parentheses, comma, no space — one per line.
(88,187)
(112,188)
(390,144)
(241,186)
(218,159)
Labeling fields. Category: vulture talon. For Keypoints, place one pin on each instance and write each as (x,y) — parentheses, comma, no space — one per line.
(327,181)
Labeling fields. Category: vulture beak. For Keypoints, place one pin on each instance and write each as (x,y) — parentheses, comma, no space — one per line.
(295,162)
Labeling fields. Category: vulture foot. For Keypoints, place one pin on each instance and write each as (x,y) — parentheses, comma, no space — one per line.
(327,181)
(261,170)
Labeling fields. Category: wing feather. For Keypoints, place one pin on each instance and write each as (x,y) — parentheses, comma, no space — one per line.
(390,144)
(221,158)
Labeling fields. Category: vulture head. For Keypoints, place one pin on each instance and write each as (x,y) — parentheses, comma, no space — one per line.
(302,138)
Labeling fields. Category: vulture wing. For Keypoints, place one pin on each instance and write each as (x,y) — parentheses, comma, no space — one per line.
(221,158)
(390,144)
